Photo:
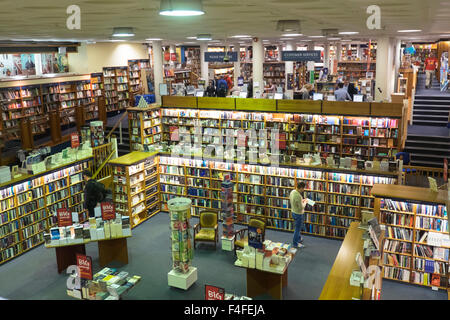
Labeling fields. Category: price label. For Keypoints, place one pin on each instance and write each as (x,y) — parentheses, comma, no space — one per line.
(214,293)
(64,217)
(108,210)
(84,264)
(74,140)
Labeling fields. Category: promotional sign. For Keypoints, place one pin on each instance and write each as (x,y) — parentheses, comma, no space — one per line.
(214,293)
(255,239)
(108,210)
(240,81)
(173,56)
(64,217)
(306,55)
(74,140)
(219,56)
(84,264)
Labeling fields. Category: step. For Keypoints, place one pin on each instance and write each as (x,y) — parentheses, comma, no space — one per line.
(430,156)
(430,123)
(431,117)
(441,102)
(428,138)
(426,164)
(430,148)
(432,106)
(445,146)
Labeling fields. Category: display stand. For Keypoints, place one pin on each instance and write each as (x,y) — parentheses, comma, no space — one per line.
(183,275)
(67,256)
(227,215)
(261,282)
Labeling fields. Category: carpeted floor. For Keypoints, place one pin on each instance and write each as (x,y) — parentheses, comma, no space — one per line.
(34,276)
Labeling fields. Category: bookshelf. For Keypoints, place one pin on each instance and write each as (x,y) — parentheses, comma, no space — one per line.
(354,70)
(28,206)
(264,191)
(275,72)
(365,137)
(145,128)
(135,68)
(413,217)
(116,90)
(136,186)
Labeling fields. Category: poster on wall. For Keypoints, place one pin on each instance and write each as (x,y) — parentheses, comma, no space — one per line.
(54,63)
(7,66)
(28,64)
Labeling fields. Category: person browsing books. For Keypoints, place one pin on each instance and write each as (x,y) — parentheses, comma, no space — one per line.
(94,192)
(297,208)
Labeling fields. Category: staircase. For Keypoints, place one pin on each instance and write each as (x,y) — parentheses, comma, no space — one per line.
(427,151)
(431,106)
(124,147)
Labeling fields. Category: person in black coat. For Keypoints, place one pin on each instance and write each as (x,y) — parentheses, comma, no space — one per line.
(352,90)
(210,90)
(94,192)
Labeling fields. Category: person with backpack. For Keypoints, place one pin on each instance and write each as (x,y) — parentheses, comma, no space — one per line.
(222,87)
(94,193)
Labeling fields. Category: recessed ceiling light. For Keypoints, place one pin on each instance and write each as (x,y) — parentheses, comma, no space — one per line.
(306,40)
(153,39)
(181,8)
(412,30)
(333,38)
(316,36)
(191,38)
(117,40)
(346,40)
(292,34)
(123,32)
(348,32)
(286,38)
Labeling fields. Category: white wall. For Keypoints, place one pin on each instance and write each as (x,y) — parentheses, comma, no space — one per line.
(93,57)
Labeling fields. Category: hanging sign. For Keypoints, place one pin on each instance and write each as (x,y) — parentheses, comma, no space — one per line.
(214,293)
(173,56)
(167,56)
(84,264)
(306,55)
(108,210)
(219,56)
(64,217)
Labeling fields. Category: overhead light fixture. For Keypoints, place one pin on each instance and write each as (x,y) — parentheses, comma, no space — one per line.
(316,36)
(329,32)
(153,39)
(241,36)
(123,32)
(331,39)
(292,34)
(204,37)
(117,40)
(348,32)
(181,8)
(286,38)
(412,30)
(346,40)
(191,38)
(288,25)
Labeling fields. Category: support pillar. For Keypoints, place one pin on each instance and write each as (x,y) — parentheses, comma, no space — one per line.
(385,69)
(204,65)
(258,65)
(157,68)
(237,64)
(289,68)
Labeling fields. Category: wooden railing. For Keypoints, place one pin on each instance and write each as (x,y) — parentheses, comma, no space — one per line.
(418,176)
(101,155)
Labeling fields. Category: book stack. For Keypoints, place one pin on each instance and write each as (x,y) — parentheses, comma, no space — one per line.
(227,208)
(181,245)
(5,174)
(108,284)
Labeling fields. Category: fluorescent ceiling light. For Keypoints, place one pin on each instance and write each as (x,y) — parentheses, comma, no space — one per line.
(346,40)
(191,38)
(204,37)
(286,38)
(333,38)
(316,36)
(412,30)
(153,39)
(348,32)
(241,36)
(117,40)
(288,25)
(292,34)
(123,32)
(181,8)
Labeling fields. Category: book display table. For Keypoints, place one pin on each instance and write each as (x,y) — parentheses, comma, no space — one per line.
(113,249)
(263,276)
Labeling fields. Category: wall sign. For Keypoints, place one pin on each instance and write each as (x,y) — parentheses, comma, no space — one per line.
(84,264)
(108,210)
(64,217)
(214,293)
(306,55)
(218,56)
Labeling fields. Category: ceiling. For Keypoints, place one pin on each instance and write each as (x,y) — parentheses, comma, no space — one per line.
(46,19)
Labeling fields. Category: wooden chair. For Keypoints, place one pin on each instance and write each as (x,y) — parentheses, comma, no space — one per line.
(241,236)
(206,230)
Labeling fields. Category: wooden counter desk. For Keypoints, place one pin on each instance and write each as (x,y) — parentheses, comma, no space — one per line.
(337,286)
(410,193)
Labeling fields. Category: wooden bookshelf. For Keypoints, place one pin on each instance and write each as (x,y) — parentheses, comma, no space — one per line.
(136,186)
(134,78)
(144,128)
(409,214)
(28,206)
(116,90)
(264,191)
